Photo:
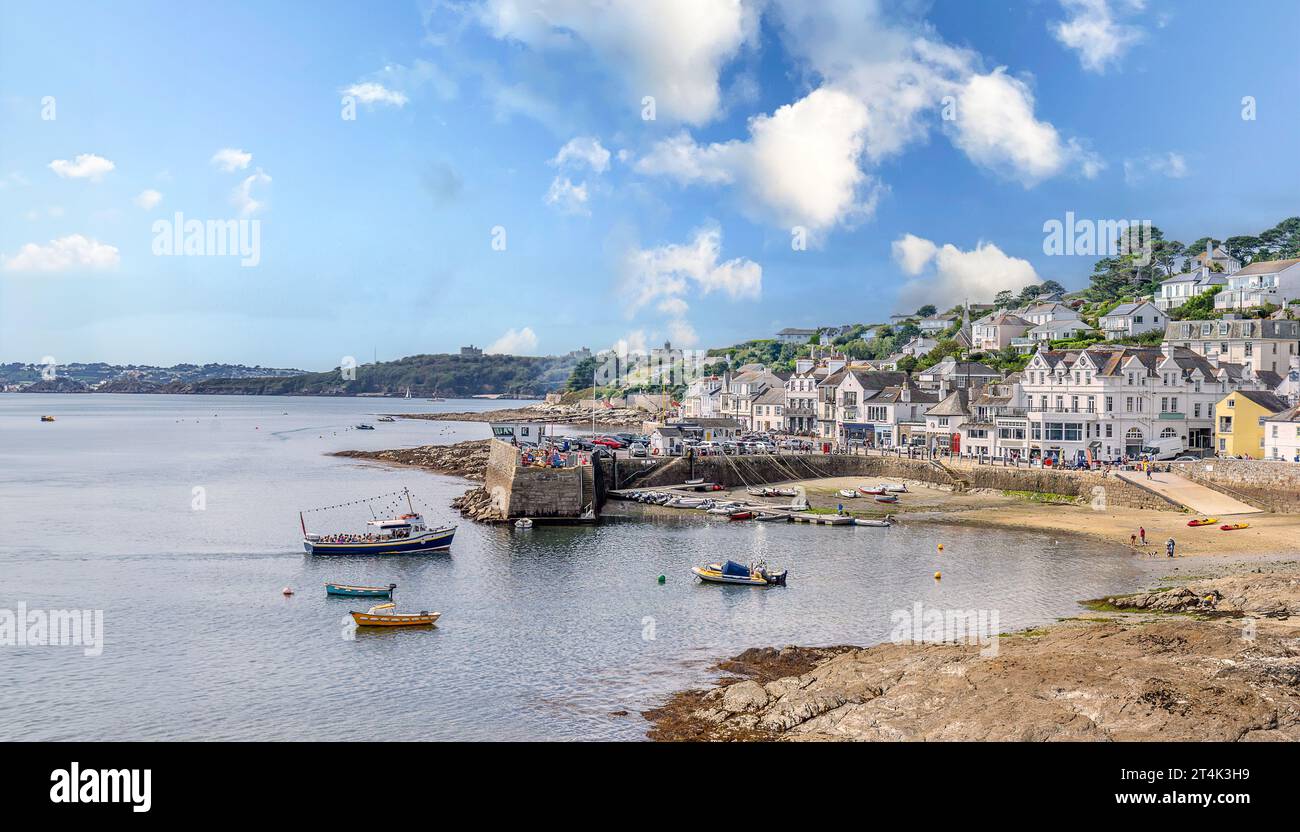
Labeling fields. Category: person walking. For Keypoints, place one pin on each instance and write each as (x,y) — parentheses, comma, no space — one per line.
(1142,533)
(1169,547)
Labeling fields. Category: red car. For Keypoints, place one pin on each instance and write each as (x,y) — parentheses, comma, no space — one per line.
(605,441)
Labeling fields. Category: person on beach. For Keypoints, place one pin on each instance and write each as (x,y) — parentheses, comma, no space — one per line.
(1169,547)
(1133,540)
(1142,533)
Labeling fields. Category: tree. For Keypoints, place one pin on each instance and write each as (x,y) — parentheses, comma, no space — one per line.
(1051,287)
(926,311)
(583,374)
(1004,299)
(1199,308)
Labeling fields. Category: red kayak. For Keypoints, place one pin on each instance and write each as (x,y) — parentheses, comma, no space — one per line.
(1232,527)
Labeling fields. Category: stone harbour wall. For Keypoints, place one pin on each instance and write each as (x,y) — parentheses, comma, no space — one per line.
(753,470)
(534,492)
(1268,484)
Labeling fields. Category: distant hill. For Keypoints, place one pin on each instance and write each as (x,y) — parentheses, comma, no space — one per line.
(133,378)
(453,376)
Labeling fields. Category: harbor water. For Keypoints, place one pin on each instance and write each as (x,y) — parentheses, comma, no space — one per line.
(177,517)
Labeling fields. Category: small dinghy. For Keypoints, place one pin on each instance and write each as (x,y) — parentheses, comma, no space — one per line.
(863,521)
(47,418)
(1204,521)
(524,523)
(848,492)
(364,426)
(1232,527)
(385,419)
(772,518)
(699,481)
(898,487)
(741,515)
(888,498)
(352,591)
(380,615)
(730,572)
(874,491)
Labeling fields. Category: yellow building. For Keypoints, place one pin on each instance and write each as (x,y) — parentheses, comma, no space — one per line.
(1239,422)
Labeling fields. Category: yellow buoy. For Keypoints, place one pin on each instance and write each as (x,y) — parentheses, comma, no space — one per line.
(940,547)
(938,575)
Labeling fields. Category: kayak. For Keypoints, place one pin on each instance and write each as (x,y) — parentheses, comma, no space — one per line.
(1204,521)
(1232,527)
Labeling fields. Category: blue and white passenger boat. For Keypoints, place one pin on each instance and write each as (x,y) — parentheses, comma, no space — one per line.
(399,535)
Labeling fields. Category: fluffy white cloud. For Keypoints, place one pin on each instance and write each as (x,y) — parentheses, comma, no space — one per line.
(1172,165)
(996,128)
(148,199)
(71,252)
(798,167)
(913,253)
(882,80)
(242,196)
(957,275)
(672,50)
(667,272)
(231,159)
(84,166)
(514,342)
(568,197)
(583,151)
(1095,32)
(373,92)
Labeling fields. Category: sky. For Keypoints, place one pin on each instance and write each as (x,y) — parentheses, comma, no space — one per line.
(533,176)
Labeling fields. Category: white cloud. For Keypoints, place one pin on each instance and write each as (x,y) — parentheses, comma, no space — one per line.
(373,92)
(913,253)
(148,199)
(85,166)
(514,342)
(568,197)
(976,275)
(231,159)
(1093,30)
(666,273)
(583,151)
(1171,165)
(799,166)
(673,50)
(242,196)
(63,254)
(880,82)
(996,128)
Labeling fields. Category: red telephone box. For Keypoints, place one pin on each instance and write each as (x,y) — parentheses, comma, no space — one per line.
(956,444)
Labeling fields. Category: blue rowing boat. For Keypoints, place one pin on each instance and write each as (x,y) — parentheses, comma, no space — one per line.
(360,591)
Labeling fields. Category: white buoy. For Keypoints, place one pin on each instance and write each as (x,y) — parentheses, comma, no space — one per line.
(286,591)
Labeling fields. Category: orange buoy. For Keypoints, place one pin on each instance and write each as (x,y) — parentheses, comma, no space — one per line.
(938,575)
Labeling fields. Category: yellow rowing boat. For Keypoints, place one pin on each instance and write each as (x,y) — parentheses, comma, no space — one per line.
(377,617)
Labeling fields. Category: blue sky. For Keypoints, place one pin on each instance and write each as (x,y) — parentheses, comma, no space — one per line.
(526,116)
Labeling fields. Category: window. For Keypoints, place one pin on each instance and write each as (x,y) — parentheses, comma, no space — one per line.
(1110,431)
(1168,433)
(1110,404)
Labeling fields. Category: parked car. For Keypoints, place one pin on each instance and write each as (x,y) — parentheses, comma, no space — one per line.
(608,442)
(636,449)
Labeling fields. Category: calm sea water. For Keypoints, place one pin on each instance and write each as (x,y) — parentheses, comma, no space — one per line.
(545,633)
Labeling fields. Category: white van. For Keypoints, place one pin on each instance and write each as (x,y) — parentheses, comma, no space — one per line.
(1162,449)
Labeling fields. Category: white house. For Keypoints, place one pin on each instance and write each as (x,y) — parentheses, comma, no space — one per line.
(1282,435)
(793,335)
(703,397)
(942,422)
(1264,345)
(936,324)
(1062,330)
(950,373)
(896,414)
(1132,319)
(1043,313)
(1181,288)
(667,441)
(995,331)
(918,346)
(1273,281)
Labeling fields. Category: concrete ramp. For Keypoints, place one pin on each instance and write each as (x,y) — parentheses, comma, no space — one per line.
(1194,496)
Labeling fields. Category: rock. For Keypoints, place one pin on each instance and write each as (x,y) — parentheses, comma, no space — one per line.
(743,696)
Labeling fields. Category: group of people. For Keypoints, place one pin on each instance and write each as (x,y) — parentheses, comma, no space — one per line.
(551,457)
(363,538)
(1140,536)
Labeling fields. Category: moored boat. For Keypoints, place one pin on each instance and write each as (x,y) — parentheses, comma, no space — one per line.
(741,515)
(524,523)
(385,419)
(379,616)
(887,498)
(730,572)
(352,591)
(873,491)
(364,426)
(1204,521)
(404,534)
(47,418)
(772,518)
(864,521)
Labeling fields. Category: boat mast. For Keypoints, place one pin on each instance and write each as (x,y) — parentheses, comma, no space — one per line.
(303,523)
(408,500)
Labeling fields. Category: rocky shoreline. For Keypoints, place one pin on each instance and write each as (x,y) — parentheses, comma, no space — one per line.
(1211,659)
(462,459)
(575,414)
